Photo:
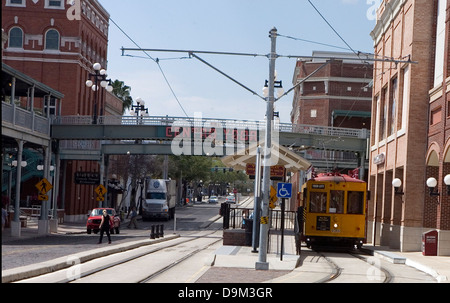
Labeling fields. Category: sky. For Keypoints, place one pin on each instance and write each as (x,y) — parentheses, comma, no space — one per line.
(224,26)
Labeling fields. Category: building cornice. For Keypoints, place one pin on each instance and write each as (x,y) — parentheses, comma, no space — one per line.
(392,8)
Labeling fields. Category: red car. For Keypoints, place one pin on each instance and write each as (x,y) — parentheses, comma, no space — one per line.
(95,218)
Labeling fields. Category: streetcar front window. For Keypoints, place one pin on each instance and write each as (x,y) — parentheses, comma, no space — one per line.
(318,202)
(336,202)
(355,202)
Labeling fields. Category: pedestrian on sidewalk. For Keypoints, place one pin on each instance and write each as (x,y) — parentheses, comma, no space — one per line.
(133,218)
(105,226)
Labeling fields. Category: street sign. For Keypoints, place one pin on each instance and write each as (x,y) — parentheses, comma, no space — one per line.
(273,197)
(100,190)
(42,197)
(100,198)
(284,190)
(264,220)
(44,186)
(273,192)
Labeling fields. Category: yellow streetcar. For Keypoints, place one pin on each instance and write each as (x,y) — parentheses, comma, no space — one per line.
(335,211)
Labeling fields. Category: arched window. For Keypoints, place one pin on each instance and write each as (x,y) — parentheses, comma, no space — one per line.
(16,37)
(52,40)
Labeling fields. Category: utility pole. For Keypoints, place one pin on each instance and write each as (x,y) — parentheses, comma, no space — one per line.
(262,263)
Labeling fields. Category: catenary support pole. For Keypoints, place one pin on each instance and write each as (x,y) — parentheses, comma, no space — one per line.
(257,201)
(262,263)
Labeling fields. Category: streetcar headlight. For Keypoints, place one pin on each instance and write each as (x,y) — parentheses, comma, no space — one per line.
(335,225)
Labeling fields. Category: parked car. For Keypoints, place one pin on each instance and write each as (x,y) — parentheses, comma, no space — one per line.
(231,199)
(213,199)
(95,218)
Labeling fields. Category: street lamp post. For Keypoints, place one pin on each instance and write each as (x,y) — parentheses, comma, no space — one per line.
(99,77)
(139,110)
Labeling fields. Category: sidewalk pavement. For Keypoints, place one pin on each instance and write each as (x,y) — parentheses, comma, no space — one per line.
(235,257)
(436,266)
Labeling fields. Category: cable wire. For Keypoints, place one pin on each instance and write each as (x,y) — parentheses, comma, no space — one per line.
(154,60)
(335,31)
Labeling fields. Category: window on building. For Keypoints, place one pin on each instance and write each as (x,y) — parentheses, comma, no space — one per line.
(54,4)
(383,114)
(52,40)
(393,106)
(16,37)
(52,106)
(314,113)
(436,116)
(376,129)
(404,100)
(440,43)
(20,3)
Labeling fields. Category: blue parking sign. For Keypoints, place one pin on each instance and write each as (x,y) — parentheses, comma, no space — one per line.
(284,190)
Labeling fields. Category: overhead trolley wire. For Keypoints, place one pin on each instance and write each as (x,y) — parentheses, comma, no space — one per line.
(334,30)
(154,60)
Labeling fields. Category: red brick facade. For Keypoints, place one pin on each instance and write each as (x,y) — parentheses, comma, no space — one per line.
(402,131)
(338,95)
(437,210)
(48,43)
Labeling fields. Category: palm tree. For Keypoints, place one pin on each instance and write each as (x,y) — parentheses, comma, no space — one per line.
(122,91)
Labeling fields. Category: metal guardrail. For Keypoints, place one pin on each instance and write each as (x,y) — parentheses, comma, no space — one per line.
(210,123)
(238,215)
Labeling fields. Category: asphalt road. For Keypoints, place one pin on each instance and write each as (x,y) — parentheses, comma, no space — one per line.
(22,252)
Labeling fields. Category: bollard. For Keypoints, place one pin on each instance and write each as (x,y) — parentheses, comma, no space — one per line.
(161,230)
(157,231)
(152,234)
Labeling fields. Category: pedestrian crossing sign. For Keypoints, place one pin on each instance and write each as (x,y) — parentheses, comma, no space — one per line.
(44,186)
(100,190)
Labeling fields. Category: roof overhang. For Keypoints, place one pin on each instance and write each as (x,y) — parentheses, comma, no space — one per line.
(287,158)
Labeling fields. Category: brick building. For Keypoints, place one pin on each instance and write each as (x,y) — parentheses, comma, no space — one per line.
(338,95)
(57,44)
(437,208)
(400,123)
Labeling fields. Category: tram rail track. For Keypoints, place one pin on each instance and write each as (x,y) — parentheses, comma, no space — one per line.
(375,273)
(161,250)
(80,272)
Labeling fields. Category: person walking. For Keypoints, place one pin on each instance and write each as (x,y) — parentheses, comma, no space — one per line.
(105,226)
(133,218)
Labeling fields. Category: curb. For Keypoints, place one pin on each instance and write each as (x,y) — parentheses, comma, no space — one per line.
(30,271)
(396,259)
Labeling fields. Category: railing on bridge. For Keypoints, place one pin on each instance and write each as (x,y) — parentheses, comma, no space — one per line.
(210,123)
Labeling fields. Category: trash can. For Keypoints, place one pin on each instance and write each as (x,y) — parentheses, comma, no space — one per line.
(429,243)
(225,213)
(248,232)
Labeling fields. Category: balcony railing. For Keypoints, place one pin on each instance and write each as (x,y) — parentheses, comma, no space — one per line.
(24,119)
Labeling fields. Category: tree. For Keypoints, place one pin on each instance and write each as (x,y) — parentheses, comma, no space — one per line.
(123,92)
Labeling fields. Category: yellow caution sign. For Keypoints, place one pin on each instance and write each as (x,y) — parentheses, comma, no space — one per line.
(42,197)
(44,186)
(273,197)
(100,198)
(273,193)
(100,190)
(264,220)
